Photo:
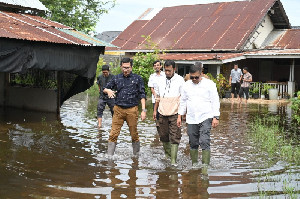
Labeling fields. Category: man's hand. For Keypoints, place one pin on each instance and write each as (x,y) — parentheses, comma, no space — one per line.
(179,121)
(143,115)
(214,123)
(154,114)
(110,93)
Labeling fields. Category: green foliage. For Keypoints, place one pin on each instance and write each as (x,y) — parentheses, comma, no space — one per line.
(82,15)
(296,108)
(270,138)
(143,65)
(254,88)
(221,82)
(266,88)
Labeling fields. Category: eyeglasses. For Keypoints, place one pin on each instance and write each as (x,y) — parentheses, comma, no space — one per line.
(194,77)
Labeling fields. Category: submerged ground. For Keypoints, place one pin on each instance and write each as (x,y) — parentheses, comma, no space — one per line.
(45,157)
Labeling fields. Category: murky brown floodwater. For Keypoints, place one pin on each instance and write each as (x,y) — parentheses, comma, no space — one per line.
(42,157)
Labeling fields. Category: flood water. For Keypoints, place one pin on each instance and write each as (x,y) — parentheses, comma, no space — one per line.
(45,157)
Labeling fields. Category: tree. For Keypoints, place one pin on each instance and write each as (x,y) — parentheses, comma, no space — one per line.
(79,14)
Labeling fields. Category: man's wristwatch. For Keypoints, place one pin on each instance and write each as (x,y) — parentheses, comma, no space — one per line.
(217,117)
(144,110)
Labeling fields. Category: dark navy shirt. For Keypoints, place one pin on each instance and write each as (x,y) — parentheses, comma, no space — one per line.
(129,89)
(102,81)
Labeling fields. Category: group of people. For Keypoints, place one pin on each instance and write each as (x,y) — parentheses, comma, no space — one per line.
(240,83)
(172,98)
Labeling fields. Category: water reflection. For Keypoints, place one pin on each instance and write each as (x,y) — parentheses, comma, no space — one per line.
(41,156)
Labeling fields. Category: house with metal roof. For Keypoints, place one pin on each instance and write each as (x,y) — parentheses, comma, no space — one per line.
(42,62)
(255,33)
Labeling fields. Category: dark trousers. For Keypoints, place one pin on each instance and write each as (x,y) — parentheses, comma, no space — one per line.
(168,129)
(235,88)
(244,90)
(101,106)
(199,134)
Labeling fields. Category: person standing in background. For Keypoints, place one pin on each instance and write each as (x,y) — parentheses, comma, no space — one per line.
(104,100)
(245,79)
(153,82)
(234,79)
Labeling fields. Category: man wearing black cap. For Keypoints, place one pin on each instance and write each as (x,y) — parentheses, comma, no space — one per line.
(102,80)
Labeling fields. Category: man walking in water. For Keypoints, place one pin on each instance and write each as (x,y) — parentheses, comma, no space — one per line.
(104,100)
(200,102)
(168,95)
(153,83)
(234,79)
(129,90)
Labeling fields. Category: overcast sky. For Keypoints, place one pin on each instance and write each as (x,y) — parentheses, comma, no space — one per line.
(126,11)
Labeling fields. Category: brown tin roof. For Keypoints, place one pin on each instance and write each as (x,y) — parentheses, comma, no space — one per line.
(290,39)
(204,27)
(199,56)
(35,28)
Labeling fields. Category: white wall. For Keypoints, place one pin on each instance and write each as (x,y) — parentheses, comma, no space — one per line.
(32,99)
(261,34)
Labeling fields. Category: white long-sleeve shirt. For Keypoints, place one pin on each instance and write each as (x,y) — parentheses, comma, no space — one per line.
(199,101)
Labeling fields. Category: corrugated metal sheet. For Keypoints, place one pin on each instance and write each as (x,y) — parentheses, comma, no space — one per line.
(290,39)
(216,26)
(35,28)
(274,52)
(34,4)
(87,38)
(199,56)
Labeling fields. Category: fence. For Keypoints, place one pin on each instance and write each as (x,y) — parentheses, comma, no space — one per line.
(281,86)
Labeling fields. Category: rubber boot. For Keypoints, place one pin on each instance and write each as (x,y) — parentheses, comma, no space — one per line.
(174,150)
(167,148)
(206,157)
(111,149)
(136,148)
(194,157)
(205,161)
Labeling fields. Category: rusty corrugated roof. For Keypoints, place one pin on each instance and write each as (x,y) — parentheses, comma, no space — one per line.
(215,26)
(290,39)
(274,52)
(35,28)
(31,4)
(199,56)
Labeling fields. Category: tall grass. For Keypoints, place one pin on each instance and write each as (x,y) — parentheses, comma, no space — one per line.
(272,139)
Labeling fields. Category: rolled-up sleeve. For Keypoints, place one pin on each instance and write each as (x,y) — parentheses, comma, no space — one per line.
(215,101)
(141,90)
(183,99)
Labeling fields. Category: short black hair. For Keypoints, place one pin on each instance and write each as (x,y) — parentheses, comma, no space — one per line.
(126,60)
(197,67)
(105,67)
(245,68)
(170,63)
(156,62)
